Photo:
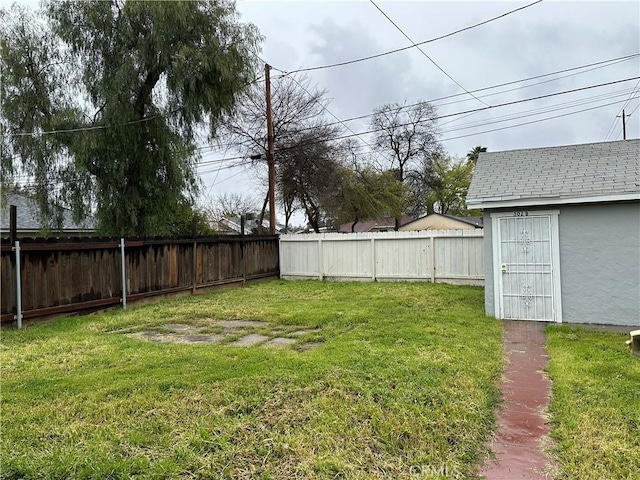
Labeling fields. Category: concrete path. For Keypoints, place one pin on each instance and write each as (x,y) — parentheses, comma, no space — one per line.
(526,393)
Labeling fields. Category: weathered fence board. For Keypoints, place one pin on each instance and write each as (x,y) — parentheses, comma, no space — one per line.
(62,275)
(452,256)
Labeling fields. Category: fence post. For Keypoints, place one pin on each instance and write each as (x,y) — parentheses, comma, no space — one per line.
(320,260)
(124,275)
(433,259)
(13,223)
(194,263)
(18,285)
(373,260)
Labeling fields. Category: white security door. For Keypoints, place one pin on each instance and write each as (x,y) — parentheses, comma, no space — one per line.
(526,267)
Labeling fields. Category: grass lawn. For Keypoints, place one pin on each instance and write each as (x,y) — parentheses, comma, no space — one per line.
(403,385)
(596,404)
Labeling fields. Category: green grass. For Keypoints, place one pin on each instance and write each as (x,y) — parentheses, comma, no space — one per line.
(596,404)
(403,386)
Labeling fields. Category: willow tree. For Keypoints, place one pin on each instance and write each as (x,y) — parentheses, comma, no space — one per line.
(104,102)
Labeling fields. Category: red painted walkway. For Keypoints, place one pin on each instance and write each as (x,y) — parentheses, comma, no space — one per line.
(526,393)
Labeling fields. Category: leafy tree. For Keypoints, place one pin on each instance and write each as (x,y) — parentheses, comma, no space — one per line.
(451,183)
(363,193)
(182,221)
(127,87)
(474,153)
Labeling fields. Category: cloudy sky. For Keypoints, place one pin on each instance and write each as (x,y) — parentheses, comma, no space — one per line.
(543,38)
(546,37)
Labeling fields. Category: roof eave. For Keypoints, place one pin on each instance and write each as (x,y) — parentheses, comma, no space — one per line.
(502,202)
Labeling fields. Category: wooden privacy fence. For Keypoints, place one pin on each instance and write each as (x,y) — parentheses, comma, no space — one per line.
(67,275)
(450,256)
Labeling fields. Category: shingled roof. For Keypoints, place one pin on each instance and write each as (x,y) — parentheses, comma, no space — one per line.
(555,175)
(28,217)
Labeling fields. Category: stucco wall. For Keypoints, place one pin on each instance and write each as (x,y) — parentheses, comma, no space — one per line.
(599,263)
(488,265)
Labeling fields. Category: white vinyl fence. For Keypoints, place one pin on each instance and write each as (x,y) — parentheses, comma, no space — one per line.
(448,256)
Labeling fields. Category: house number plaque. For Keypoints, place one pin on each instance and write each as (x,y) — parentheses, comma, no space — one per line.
(521,213)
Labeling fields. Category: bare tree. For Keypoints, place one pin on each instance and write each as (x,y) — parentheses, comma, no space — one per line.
(299,123)
(407,136)
(308,173)
(226,205)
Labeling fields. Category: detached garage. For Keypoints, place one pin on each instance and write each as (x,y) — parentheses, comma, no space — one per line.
(561,232)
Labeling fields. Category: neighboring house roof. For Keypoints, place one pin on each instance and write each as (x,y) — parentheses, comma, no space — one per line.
(232,225)
(28,217)
(434,221)
(377,225)
(307,230)
(593,172)
(474,221)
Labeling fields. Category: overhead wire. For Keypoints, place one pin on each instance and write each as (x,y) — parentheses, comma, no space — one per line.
(541,110)
(371,57)
(514,102)
(613,123)
(491,87)
(425,53)
(331,113)
(530,122)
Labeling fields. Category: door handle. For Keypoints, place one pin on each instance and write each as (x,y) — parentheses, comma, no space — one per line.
(504,268)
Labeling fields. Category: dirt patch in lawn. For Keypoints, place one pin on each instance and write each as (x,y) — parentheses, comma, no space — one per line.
(235,333)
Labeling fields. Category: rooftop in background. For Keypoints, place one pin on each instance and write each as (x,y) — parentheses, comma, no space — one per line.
(29,222)
(584,172)
(384,224)
(443,221)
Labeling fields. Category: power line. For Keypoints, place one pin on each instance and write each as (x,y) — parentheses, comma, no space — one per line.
(539,97)
(370,57)
(529,123)
(423,52)
(613,123)
(99,127)
(596,65)
(80,129)
(465,112)
(452,115)
(331,113)
(539,111)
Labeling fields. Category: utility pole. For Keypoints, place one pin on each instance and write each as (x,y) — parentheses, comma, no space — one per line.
(624,126)
(270,160)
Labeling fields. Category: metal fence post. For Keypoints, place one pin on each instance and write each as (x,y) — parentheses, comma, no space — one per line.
(124,275)
(18,285)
